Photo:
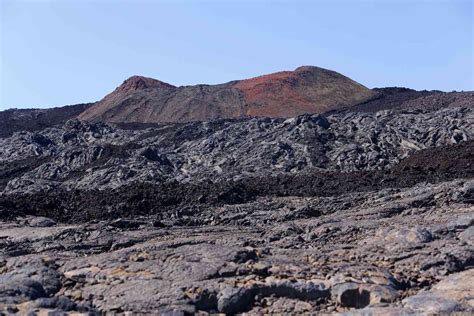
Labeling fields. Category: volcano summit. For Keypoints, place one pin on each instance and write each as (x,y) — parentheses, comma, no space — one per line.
(283,94)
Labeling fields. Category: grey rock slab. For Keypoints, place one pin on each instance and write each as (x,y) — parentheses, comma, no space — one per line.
(18,289)
(432,303)
(235,300)
(453,294)
(41,222)
(350,295)
(468,235)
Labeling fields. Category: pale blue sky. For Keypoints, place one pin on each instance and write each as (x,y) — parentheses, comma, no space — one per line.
(65,52)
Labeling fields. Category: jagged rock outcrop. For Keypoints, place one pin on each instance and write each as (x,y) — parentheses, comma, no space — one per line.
(83,155)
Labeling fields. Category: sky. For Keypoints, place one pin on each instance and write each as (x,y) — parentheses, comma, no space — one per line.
(55,53)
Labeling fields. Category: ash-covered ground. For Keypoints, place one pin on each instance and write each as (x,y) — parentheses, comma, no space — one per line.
(352,212)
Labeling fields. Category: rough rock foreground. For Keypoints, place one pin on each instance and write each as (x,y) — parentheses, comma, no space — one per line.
(350,213)
(390,251)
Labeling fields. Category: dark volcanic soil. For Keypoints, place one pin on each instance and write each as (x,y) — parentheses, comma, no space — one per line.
(15,120)
(408,99)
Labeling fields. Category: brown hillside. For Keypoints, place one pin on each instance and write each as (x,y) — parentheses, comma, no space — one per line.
(283,94)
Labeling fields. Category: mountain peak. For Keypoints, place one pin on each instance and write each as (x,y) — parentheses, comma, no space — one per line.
(306,89)
(139,83)
(309,68)
(278,76)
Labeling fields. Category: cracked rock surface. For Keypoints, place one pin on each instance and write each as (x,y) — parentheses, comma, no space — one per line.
(348,213)
(397,250)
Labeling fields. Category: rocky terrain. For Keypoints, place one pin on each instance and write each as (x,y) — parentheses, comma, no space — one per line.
(80,155)
(365,209)
(390,251)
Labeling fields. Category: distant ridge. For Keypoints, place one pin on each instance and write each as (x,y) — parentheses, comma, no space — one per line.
(307,89)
